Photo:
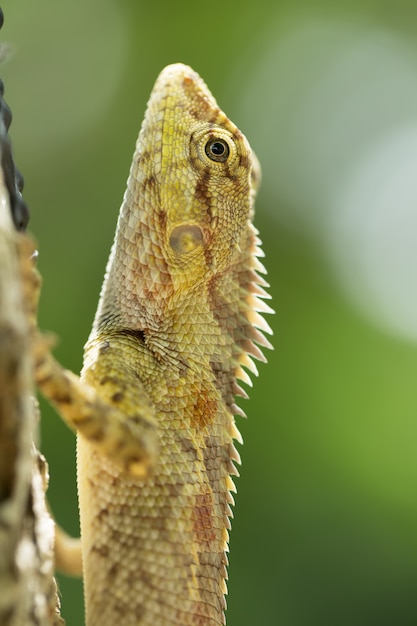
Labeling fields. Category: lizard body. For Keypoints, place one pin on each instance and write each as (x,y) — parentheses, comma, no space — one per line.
(178,318)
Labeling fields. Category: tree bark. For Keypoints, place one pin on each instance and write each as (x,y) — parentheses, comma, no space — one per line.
(28,594)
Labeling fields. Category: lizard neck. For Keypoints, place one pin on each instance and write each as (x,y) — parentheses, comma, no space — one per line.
(174,326)
(144,291)
(210,322)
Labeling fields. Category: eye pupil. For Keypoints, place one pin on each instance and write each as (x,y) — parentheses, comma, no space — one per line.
(217,150)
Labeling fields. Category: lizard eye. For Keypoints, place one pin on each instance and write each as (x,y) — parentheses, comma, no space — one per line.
(217,150)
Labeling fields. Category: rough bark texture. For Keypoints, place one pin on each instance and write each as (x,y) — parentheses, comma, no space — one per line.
(27,587)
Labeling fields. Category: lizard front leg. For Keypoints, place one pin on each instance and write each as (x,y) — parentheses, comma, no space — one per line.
(129,440)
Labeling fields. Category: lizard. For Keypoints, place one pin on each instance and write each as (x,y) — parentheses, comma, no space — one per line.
(178,322)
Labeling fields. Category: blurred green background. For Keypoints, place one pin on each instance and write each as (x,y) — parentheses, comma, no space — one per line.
(326,517)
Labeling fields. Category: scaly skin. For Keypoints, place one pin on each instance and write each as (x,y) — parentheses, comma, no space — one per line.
(177,319)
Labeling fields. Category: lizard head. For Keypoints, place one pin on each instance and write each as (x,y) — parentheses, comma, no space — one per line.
(197,172)
(189,200)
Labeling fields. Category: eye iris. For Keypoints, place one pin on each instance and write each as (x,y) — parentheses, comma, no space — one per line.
(217,150)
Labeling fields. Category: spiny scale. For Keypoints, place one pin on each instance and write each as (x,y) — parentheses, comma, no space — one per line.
(178,319)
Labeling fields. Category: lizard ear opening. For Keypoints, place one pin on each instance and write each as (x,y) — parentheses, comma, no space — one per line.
(186,238)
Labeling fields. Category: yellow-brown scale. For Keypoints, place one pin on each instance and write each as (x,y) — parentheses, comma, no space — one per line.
(176,322)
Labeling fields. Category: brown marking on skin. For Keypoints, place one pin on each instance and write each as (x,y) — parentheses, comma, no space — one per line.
(219,375)
(109,380)
(202,110)
(121,608)
(149,181)
(215,456)
(204,410)
(220,118)
(113,573)
(145,155)
(183,368)
(232,320)
(103,513)
(201,107)
(208,257)
(174,490)
(102,550)
(85,420)
(217,117)
(227,172)
(98,435)
(214,222)
(161,217)
(139,612)
(244,160)
(147,579)
(189,447)
(46,378)
(199,615)
(202,518)
(62,397)
(201,188)
(196,162)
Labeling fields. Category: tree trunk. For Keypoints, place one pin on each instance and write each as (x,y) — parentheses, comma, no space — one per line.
(28,594)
